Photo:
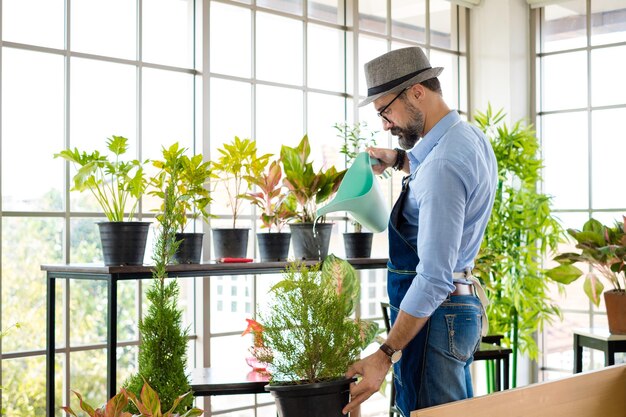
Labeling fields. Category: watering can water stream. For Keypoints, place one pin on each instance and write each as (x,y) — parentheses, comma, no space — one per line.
(360,195)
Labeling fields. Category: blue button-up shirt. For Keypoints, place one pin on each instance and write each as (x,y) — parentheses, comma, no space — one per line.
(451,193)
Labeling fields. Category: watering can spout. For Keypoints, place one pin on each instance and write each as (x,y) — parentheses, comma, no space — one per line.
(361,196)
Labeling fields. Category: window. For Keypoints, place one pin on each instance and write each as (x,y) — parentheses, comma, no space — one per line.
(69,81)
(581,99)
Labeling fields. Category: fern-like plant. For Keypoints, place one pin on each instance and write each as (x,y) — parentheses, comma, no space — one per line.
(163,350)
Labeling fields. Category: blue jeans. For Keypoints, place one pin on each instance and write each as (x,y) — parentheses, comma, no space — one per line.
(434,368)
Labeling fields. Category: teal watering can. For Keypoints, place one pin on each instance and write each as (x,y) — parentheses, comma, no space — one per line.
(360,195)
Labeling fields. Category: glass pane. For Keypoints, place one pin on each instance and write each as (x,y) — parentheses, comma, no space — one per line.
(326,58)
(36,22)
(449,77)
(292,6)
(441,22)
(608,84)
(85,246)
(287,105)
(104,27)
(231,112)
(566,175)
(127,314)
(564,81)
(24,386)
(324,111)
(88,313)
(326,10)
(608,21)
(126,363)
(231,40)
(408,19)
(102,103)
(27,243)
(608,147)
(369,48)
(274,36)
(88,376)
(32,118)
(373,16)
(167,114)
(168,32)
(564,26)
(558,351)
(229,296)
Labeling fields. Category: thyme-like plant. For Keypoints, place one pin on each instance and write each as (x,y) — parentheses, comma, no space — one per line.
(115,184)
(520,232)
(308,331)
(163,349)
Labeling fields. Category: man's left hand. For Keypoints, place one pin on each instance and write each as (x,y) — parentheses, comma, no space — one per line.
(373,370)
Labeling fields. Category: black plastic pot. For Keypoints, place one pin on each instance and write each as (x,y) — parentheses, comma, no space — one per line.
(322,399)
(273,247)
(358,245)
(306,245)
(123,243)
(230,243)
(190,248)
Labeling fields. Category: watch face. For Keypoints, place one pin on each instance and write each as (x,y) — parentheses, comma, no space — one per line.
(395,357)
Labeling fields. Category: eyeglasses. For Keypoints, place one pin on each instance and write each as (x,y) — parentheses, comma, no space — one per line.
(382,111)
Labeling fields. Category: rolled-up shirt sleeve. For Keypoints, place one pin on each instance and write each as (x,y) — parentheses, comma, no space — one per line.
(440,192)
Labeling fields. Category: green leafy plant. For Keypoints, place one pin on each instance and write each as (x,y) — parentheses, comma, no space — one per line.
(238,160)
(114,183)
(276,206)
(308,331)
(163,351)
(148,404)
(190,176)
(356,140)
(521,230)
(604,249)
(309,187)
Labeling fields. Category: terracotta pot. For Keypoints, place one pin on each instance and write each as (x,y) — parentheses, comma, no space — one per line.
(615,301)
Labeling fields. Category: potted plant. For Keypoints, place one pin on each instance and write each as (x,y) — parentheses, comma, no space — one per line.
(311,339)
(358,244)
(148,404)
(256,329)
(603,248)
(117,186)
(521,230)
(277,207)
(310,240)
(191,196)
(238,160)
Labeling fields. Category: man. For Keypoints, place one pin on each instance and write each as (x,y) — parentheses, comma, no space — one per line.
(435,231)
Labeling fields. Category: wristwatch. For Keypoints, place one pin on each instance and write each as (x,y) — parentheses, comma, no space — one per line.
(393,354)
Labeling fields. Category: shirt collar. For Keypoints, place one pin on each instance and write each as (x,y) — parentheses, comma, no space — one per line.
(423,147)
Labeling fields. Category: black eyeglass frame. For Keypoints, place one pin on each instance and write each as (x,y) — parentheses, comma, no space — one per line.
(384,109)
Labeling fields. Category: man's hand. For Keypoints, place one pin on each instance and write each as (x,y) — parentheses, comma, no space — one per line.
(387,157)
(373,370)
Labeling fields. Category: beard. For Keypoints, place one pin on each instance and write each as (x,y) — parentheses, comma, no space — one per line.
(409,135)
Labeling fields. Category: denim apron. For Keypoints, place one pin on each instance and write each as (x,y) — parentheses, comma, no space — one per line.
(434,368)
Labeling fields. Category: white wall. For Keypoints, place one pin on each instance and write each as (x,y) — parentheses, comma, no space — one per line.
(500,57)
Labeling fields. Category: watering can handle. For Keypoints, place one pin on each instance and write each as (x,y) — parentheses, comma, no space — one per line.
(374,161)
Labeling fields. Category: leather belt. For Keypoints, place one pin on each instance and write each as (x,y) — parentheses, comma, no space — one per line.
(463,289)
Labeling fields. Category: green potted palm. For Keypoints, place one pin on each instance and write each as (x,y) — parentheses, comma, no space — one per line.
(310,338)
(117,186)
(276,209)
(238,160)
(190,178)
(358,244)
(310,239)
(603,248)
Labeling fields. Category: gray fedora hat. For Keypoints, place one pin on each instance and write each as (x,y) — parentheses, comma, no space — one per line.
(396,70)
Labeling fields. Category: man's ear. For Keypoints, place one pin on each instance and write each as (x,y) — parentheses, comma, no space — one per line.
(417,92)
